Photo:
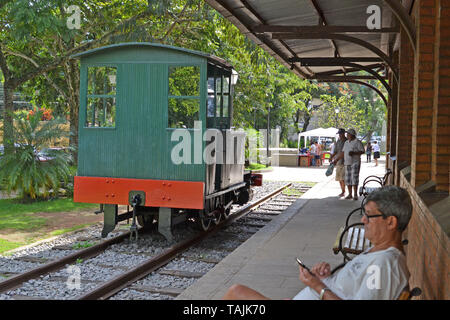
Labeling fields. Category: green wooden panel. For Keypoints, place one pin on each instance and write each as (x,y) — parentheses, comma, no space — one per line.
(139,146)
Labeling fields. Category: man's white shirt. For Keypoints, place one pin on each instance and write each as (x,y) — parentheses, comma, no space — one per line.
(380,275)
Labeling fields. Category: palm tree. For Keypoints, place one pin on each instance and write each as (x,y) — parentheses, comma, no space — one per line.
(25,170)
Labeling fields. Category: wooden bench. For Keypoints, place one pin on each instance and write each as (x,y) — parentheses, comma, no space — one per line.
(354,243)
(350,238)
(382,181)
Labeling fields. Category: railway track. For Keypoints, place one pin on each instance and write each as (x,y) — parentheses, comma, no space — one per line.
(254,215)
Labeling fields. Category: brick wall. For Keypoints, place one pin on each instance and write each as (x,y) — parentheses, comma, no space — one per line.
(427,252)
(440,154)
(423,93)
(423,135)
(405,103)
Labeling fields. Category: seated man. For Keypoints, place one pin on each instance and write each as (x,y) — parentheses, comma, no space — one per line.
(379,273)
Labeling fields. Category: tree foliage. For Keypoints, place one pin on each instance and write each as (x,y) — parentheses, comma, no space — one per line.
(36,46)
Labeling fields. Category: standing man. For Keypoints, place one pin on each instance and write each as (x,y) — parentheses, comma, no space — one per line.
(376,152)
(352,151)
(340,170)
(312,151)
(318,153)
(368,151)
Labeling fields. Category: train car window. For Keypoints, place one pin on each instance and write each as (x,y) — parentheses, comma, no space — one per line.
(102,80)
(184,81)
(226,85)
(219,85)
(219,103)
(211,106)
(101,97)
(183,112)
(225,112)
(211,85)
(101,112)
(184,96)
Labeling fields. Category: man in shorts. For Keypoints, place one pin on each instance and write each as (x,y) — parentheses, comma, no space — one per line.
(339,165)
(376,152)
(351,153)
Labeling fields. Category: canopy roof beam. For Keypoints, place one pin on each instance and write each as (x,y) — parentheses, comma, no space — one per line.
(326,61)
(350,70)
(329,62)
(248,7)
(321,29)
(358,82)
(342,37)
(347,77)
(323,22)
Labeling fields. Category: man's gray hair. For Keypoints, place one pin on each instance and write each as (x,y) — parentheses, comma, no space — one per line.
(393,201)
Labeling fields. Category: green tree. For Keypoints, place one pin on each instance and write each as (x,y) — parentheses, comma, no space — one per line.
(340,112)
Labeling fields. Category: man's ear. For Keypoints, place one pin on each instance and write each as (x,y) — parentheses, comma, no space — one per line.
(392,223)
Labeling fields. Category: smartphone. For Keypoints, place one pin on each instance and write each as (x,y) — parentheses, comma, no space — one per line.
(302,264)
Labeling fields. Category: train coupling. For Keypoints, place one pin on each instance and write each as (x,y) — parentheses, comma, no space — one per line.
(136,201)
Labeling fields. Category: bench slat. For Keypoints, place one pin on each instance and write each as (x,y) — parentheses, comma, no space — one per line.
(349,238)
(355,239)
(336,243)
(360,247)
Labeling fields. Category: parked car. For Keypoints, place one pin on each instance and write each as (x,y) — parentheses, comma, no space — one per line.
(48,154)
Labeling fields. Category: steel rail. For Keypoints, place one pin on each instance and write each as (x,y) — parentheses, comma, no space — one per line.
(118,283)
(90,252)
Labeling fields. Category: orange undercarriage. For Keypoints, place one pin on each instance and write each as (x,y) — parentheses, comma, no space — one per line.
(158,193)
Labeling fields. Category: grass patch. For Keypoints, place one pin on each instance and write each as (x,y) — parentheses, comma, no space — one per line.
(19,216)
(257,166)
(6,245)
(61,231)
(82,245)
(292,192)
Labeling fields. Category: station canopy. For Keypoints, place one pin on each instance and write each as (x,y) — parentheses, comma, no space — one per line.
(326,40)
(319,132)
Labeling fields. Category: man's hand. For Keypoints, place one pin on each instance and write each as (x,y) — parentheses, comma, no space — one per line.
(350,153)
(309,279)
(322,270)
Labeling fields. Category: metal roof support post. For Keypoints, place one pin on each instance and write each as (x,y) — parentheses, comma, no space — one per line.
(405,20)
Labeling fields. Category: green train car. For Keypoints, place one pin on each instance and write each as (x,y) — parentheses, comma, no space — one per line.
(146,112)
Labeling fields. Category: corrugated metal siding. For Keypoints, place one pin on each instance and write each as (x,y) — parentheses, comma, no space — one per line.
(139,146)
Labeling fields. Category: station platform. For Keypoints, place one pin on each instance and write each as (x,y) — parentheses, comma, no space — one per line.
(307,229)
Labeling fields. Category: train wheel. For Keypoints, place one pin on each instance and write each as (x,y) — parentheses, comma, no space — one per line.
(226,213)
(203,222)
(217,216)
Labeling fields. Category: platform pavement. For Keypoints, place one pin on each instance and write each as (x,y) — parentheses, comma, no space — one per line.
(266,261)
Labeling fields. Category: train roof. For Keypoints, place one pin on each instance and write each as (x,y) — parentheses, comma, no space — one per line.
(211,58)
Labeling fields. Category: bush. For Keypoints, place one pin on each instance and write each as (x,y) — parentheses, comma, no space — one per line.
(24,170)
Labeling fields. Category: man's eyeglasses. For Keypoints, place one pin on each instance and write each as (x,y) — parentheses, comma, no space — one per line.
(374,216)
